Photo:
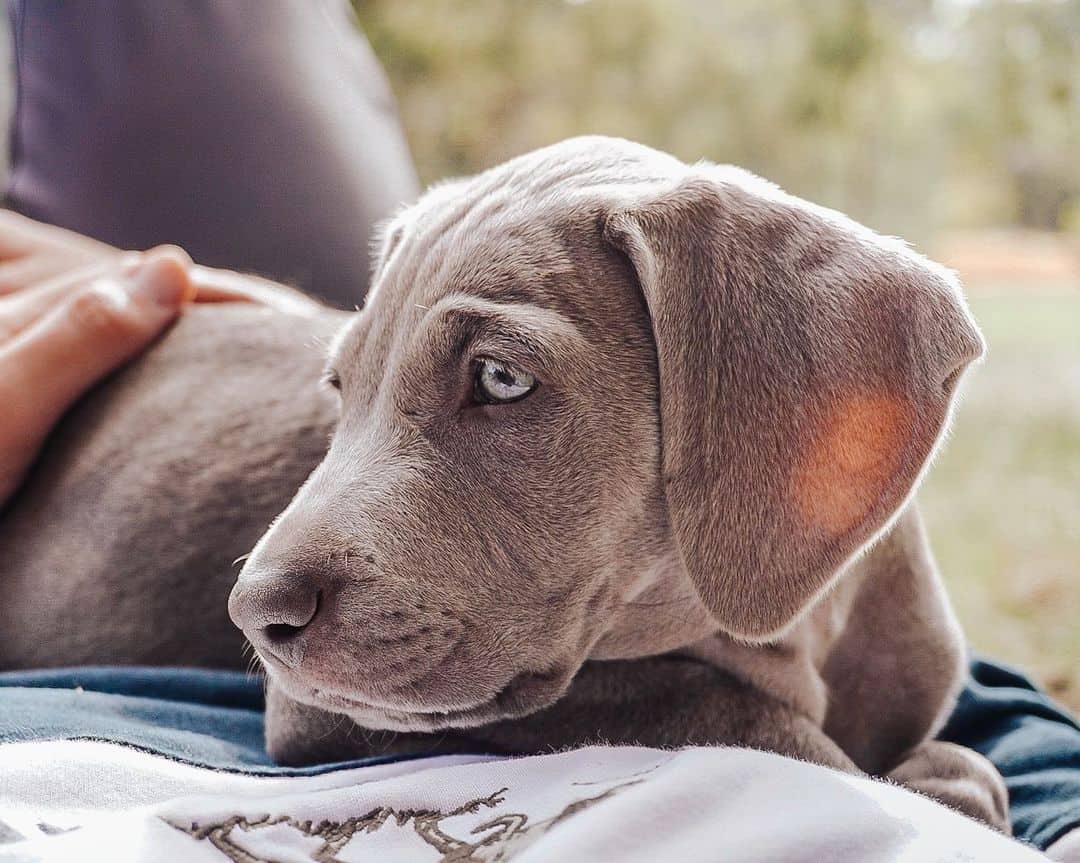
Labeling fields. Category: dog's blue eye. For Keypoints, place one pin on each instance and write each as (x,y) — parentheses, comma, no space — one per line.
(500,383)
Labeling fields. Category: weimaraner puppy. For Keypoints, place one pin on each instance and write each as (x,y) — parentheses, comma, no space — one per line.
(622,449)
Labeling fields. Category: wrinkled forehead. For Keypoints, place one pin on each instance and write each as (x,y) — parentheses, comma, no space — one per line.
(525,232)
(518,219)
(490,249)
(474,262)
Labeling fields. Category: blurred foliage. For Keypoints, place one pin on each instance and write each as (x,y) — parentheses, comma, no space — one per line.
(911,115)
(1002,501)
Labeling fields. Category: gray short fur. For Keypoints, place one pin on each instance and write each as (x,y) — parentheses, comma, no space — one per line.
(697,530)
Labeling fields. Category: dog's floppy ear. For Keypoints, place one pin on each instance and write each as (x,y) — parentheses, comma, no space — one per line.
(807,367)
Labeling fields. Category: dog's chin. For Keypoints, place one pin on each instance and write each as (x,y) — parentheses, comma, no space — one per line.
(523,695)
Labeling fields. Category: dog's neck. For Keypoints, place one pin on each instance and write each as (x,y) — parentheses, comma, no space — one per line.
(790,668)
(661,612)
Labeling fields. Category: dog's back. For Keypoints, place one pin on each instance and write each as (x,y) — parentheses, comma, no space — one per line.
(186,456)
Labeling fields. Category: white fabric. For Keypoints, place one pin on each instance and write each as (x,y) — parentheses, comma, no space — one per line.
(1066,849)
(603,804)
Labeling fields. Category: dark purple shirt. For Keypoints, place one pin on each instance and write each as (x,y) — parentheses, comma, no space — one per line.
(261,135)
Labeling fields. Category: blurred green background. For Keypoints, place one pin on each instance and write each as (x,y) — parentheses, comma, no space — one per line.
(952,123)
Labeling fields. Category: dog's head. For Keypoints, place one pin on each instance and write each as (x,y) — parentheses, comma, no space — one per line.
(599,404)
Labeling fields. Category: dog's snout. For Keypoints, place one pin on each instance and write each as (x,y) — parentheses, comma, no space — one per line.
(273,610)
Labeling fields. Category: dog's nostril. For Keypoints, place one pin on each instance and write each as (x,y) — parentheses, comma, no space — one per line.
(274,609)
(291,618)
(276,633)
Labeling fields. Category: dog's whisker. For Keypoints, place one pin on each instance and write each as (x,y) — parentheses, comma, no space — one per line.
(241,558)
(254,661)
(332,730)
(500,648)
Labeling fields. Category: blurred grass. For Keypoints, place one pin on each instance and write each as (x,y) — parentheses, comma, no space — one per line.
(1002,502)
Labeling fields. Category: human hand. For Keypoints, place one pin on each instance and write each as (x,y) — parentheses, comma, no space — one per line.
(59,337)
(73,309)
(32,253)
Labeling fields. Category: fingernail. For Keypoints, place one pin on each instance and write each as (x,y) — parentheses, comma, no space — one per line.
(162,281)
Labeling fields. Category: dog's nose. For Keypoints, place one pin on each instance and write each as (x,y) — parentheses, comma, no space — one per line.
(273,609)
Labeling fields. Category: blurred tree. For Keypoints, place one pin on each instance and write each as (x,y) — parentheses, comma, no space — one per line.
(1021,123)
(912,115)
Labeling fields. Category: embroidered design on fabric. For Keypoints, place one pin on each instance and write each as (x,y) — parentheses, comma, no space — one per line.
(495,840)
(9,834)
(52,830)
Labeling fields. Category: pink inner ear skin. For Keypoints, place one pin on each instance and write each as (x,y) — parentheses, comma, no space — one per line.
(855,454)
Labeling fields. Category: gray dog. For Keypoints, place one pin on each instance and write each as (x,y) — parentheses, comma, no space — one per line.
(622,449)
